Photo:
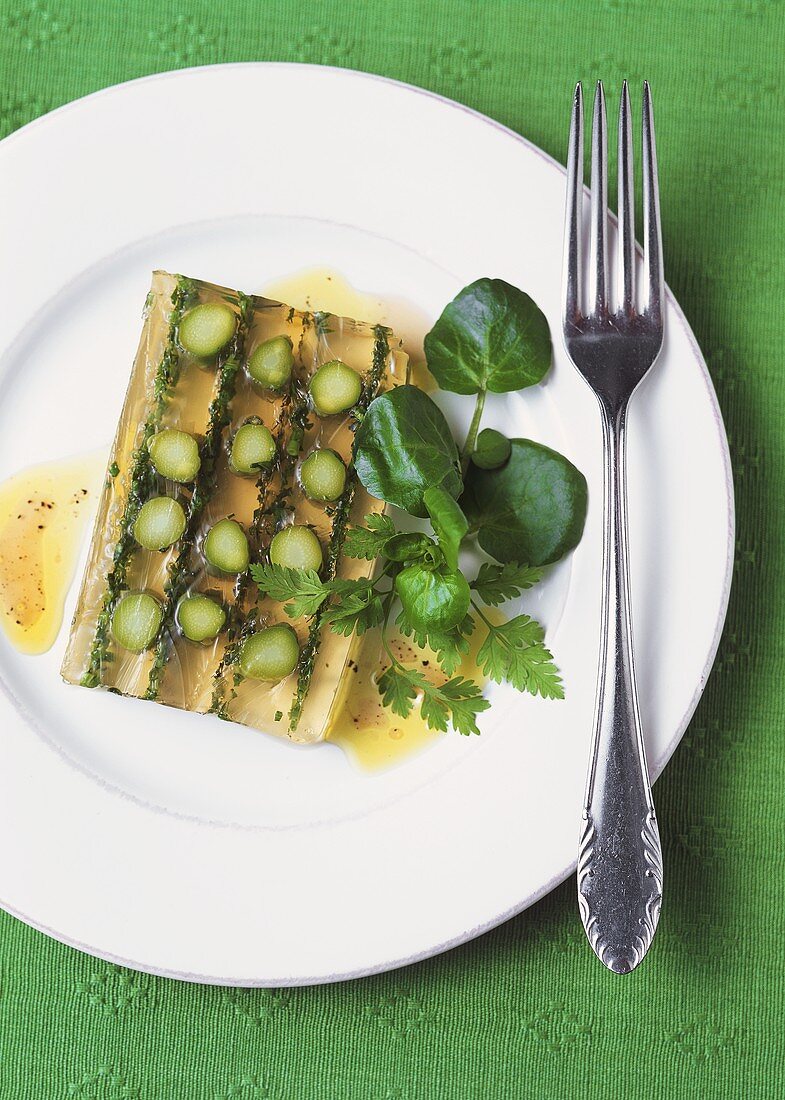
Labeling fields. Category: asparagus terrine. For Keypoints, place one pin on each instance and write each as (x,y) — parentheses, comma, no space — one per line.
(234,445)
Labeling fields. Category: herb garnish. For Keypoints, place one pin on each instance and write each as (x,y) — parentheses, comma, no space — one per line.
(532,508)
(404,446)
(525,503)
(491,337)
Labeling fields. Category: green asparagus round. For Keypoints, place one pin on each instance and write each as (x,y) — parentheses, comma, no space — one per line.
(296,547)
(270,365)
(136,621)
(253,447)
(175,455)
(226,547)
(335,388)
(161,522)
(206,329)
(271,654)
(323,475)
(200,618)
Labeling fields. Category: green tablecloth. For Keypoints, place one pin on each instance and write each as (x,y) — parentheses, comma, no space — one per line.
(524,1011)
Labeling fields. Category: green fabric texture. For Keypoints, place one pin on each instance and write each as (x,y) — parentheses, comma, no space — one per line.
(525,1011)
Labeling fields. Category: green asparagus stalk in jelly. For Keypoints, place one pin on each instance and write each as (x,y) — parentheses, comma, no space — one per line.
(289,430)
(180,571)
(141,483)
(342,509)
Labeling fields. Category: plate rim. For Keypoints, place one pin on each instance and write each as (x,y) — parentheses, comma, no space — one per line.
(656,767)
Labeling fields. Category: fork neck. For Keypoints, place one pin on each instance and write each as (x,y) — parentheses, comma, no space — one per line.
(616,644)
(614,434)
(613,408)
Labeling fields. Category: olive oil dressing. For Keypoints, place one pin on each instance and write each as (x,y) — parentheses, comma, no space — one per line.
(44,511)
(373,738)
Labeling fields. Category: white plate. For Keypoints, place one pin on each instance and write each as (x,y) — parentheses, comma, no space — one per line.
(199,849)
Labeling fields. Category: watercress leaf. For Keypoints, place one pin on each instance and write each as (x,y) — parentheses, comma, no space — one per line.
(433,599)
(412,546)
(514,651)
(530,510)
(492,449)
(369,542)
(404,445)
(466,628)
(496,583)
(302,587)
(433,556)
(449,523)
(491,336)
(391,569)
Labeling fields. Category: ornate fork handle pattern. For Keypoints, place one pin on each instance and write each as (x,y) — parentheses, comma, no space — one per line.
(621,957)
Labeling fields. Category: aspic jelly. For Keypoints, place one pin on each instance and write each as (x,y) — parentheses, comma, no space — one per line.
(234,446)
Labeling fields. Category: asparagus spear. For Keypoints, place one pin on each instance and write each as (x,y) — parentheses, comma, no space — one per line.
(290,428)
(180,571)
(341,511)
(142,480)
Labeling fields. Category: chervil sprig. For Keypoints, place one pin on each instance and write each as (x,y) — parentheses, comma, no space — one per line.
(369,542)
(455,703)
(357,607)
(514,651)
(300,590)
(496,583)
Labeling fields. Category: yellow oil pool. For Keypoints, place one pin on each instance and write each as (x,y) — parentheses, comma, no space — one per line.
(43,514)
(370,734)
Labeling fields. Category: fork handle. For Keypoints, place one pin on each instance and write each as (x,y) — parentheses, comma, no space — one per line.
(620,858)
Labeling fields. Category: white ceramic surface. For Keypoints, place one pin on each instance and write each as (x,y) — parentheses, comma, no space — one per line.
(194,848)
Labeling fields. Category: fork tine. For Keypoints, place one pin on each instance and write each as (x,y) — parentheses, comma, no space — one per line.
(599,201)
(573,211)
(651,208)
(626,206)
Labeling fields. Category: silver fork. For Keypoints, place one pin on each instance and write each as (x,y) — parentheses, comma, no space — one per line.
(620,858)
